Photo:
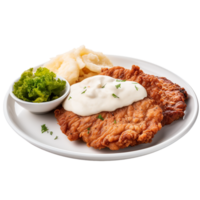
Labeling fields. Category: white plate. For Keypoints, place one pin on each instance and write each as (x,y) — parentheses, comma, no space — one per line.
(28,125)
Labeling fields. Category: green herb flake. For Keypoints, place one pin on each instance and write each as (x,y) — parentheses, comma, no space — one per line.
(84,87)
(69,98)
(56,138)
(136,87)
(134,83)
(118,86)
(44,128)
(88,130)
(115,96)
(103,86)
(115,122)
(51,132)
(100,117)
(83,92)
(118,80)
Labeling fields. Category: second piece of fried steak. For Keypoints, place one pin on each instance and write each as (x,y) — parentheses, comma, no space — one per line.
(169,96)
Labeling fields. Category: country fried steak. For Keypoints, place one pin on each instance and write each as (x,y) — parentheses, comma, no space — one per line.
(169,96)
(127,126)
(131,125)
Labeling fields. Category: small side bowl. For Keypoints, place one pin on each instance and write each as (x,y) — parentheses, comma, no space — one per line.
(43,107)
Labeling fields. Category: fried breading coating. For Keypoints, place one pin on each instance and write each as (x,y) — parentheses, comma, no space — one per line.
(169,96)
(127,126)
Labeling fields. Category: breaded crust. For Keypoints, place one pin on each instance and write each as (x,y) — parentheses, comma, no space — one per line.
(169,96)
(127,126)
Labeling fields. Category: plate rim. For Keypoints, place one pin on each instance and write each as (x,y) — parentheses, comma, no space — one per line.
(108,156)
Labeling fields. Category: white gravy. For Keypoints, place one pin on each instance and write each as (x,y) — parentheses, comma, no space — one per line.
(102,93)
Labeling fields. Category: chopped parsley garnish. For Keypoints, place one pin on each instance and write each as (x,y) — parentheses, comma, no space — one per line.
(118,86)
(69,98)
(120,80)
(56,138)
(115,96)
(134,83)
(103,86)
(83,92)
(84,87)
(115,122)
(88,130)
(136,87)
(44,128)
(100,117)
(51,132)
